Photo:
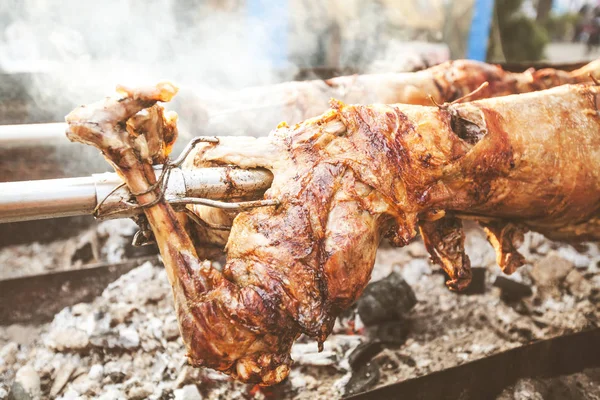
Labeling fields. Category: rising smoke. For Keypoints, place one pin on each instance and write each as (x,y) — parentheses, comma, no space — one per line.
(78,50)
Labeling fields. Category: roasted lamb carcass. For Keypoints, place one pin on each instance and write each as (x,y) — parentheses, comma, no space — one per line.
(255,111)
(343,181)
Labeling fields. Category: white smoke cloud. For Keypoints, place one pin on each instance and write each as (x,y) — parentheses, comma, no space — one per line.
(79,50)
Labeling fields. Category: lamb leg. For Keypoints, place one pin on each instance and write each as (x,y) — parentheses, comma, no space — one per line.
(219,322)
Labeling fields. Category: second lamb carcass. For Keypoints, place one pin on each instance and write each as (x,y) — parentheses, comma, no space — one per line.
(255,111)
(344,181)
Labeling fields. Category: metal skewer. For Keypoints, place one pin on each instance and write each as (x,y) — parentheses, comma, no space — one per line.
(29,200)
(33,134)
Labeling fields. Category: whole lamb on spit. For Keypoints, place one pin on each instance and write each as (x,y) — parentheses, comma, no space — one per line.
(255,111)
(343,181)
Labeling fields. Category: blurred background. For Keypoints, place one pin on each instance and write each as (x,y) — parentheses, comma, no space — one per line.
(53,58)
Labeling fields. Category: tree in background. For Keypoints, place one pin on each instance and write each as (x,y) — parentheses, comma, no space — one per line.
(560,26)
(516,37)
(543,9)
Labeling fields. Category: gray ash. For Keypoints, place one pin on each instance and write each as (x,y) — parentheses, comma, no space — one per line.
(126,342)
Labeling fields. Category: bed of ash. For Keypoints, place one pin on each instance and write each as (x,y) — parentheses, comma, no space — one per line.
(104,242)
(126,344)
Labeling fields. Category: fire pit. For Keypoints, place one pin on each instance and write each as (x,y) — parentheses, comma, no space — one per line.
(125,342)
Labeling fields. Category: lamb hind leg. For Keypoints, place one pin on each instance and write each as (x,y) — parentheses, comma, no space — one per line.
(104,125)
(223,326)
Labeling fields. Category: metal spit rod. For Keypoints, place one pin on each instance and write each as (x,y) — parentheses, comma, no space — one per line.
(29,200)
(33,134)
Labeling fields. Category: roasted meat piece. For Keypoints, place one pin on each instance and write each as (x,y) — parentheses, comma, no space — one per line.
(344,180)
(255,111)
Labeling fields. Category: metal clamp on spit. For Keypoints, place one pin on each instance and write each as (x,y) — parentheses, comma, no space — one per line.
(179,197)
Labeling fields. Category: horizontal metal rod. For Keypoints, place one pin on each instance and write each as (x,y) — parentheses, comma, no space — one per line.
(487,377)
(23,201)
(33,134)
(29,200)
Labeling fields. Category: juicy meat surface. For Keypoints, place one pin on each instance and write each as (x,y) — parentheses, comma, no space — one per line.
(344,180)
(255,111)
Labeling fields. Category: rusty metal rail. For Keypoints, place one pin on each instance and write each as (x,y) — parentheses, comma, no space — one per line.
(487,377)
(35,299)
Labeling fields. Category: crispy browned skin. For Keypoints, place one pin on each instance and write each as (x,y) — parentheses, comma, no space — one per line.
(255,111)
(345,180)
(451,80)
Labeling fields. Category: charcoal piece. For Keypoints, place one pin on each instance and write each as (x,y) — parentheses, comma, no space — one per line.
(393,332)
(595,296)
(132,251)
(512,290)
(116,376)
(477,285)
(363,353)
(85,254)
(385,300)
(363,379)
(407,360)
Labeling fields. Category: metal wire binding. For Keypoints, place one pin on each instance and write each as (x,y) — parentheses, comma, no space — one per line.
(163,180)
(97,208)
(166,170)
(140,239)
(158,181)
(241,205)
(186,151)
(168,166)
(144,236)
